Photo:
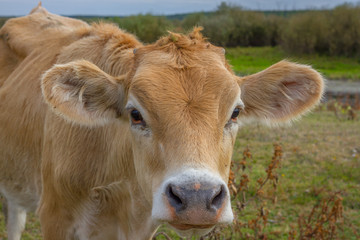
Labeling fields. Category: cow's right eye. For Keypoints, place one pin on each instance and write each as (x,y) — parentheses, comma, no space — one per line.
(136,117)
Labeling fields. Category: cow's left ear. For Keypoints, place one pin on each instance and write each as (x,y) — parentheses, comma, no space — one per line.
(83,93)
(281,92)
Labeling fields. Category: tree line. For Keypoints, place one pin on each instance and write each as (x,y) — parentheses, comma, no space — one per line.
(329,32)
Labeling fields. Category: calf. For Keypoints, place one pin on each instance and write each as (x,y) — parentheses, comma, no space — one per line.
(109,138)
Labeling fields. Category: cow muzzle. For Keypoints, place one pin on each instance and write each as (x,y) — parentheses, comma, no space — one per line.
(193,201)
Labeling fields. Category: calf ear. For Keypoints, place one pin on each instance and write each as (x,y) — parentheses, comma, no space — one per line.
(83,93)
(281,92)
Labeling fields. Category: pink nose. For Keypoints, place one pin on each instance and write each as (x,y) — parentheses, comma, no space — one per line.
(196,204)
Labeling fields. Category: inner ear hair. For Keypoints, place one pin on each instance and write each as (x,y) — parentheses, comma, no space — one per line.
(83,93)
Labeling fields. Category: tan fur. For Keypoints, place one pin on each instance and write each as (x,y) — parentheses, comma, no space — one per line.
(96,97)
(93,175)
(291,89)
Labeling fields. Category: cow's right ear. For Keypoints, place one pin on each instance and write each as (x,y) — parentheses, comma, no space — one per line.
(83,93)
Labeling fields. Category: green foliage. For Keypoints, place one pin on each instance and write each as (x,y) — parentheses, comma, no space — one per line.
(147,28)
(335,32)
(306,33)
(249,29)
(193,19)
(232,26)
(2,21)
(218,29)
(344,37)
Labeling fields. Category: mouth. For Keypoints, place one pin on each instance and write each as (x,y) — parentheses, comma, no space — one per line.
(190,230)
(184,227)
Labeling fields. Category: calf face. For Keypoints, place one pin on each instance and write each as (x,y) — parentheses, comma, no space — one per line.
(184,106)
(188,128)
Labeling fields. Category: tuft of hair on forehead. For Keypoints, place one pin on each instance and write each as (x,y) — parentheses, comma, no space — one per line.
(194,38)
(183,50)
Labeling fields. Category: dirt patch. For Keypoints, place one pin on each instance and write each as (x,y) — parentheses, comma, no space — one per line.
(342,87)
(345,92)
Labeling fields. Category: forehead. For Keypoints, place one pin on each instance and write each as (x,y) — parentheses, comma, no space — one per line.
(188,67)
(199,80)
(176,57)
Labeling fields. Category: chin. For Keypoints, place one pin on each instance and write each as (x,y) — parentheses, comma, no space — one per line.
(188,231)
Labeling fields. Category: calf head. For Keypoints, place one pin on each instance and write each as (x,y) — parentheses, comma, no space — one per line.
(184,106)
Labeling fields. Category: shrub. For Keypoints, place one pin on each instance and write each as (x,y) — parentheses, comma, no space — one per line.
(344,34)
(306,33)
(250,29)
(218,29)
(232,26)
(192,20)
(147,28)
(274,25)
(2,21)
(334,32)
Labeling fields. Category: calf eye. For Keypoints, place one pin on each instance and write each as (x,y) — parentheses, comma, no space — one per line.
(235,114)
(136,117)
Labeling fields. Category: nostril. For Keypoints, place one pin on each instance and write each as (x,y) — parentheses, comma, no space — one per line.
(174,198)
(218,198)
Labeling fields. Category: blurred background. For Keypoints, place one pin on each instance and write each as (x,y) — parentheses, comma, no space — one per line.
(297,182)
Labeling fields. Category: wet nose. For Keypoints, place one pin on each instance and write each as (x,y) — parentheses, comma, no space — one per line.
(201,198)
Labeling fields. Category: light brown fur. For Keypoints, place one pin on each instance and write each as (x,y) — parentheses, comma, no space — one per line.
(77,152)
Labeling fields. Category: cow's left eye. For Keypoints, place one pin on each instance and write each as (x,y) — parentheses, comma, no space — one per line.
(235,114)
(136,117)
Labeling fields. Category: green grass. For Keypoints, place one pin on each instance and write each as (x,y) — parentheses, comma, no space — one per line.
(321,154)
(250,60)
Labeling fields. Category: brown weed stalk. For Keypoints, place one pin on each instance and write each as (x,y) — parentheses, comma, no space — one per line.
(324,220)
(239,188)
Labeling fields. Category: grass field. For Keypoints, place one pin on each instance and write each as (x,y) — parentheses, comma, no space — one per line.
(249,60)
(320,156)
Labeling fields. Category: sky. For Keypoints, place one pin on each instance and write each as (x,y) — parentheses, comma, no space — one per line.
(157,7)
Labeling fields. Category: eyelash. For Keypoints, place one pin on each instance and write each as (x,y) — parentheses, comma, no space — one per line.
(235,114)
(137,118)
(234,117)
